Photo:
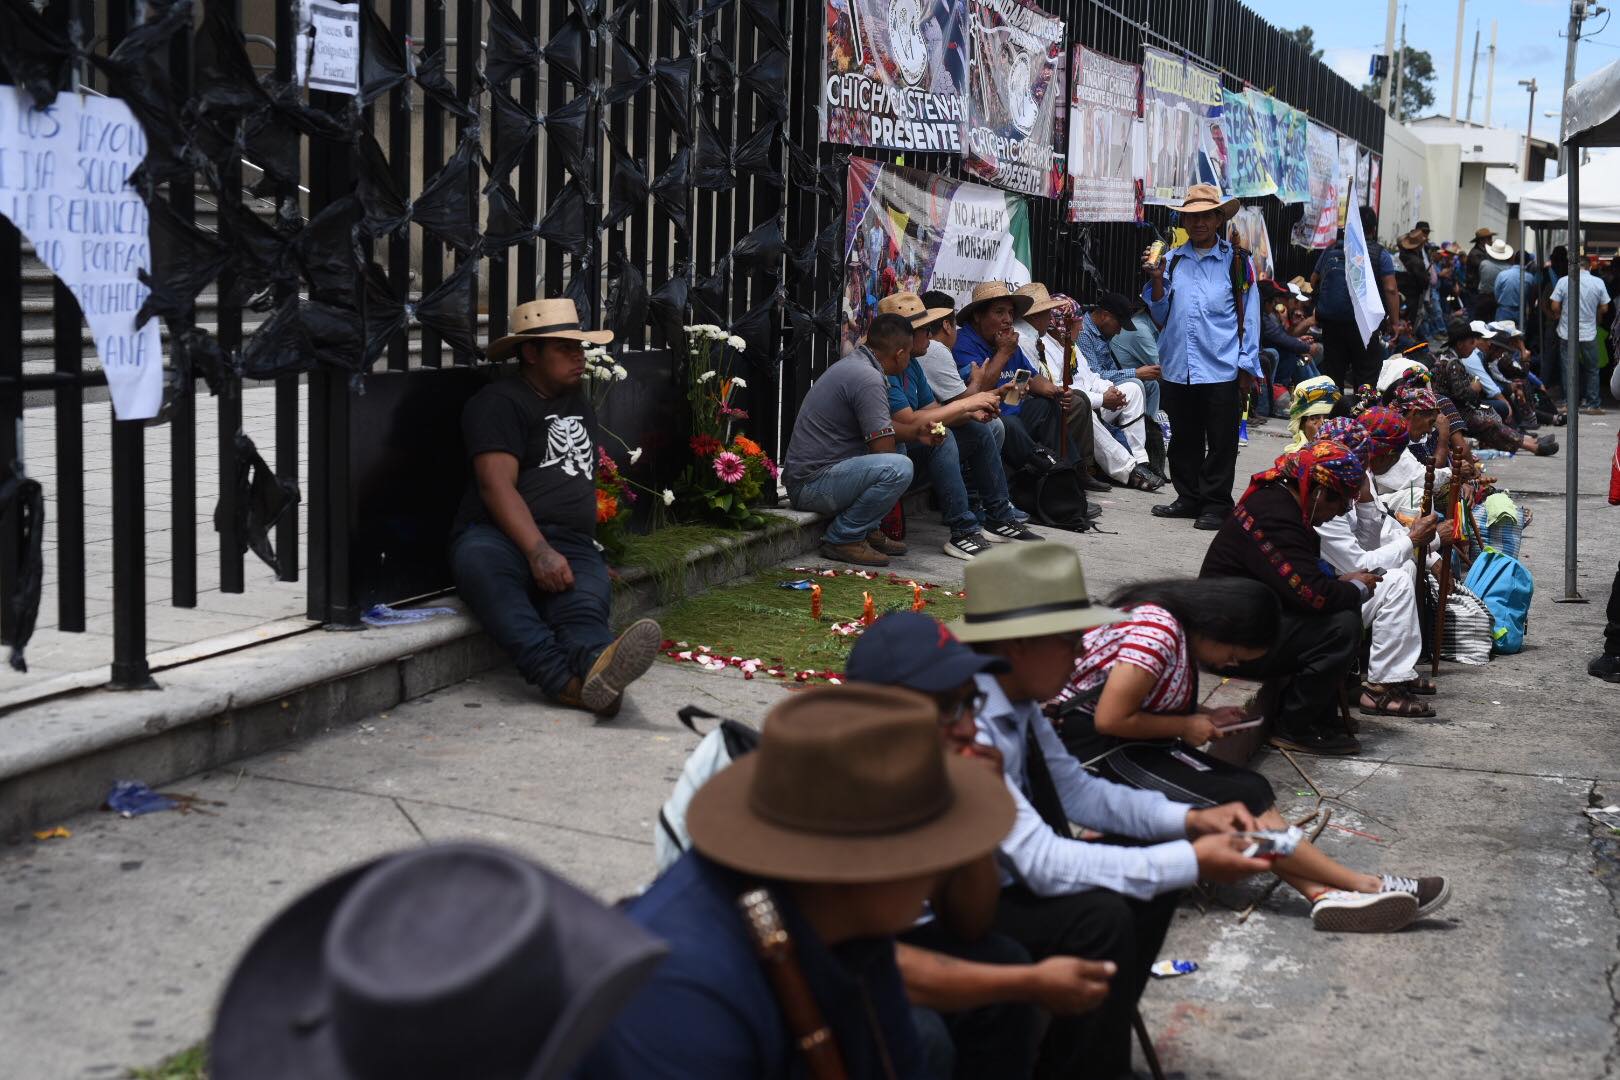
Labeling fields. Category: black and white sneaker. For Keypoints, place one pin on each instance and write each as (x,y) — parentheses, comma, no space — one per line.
(1345,912)
(970,546)
(1431,892)
(1004,532)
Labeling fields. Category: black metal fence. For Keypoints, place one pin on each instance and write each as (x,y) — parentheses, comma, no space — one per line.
(656,161)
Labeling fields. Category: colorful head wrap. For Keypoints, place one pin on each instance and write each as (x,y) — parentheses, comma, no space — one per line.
(1398,367)
(1413,397)
(1386,428)
(1312,397)
(1065,307)
(1348,433)
(1321,464)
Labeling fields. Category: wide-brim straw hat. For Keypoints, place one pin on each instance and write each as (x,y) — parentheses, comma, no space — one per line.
(910,306)
(1411,241)
(1202,197)
(1028,591)
(985,292)
(537,320)
(1039,298)
(850,785)
(1500,250)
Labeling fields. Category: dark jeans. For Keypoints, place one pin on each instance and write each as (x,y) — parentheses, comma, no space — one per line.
(1611,632)
(1345,357)
(991,1041)
(972,448)
(1096,925)
(1041,419)
(1315,653)
(1204,420)
(552,637)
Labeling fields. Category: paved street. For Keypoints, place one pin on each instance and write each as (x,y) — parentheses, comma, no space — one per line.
(116,941)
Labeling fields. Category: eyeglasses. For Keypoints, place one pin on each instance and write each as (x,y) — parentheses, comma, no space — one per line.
(954,712)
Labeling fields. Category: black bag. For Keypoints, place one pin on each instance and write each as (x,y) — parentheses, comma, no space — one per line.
(1052,495)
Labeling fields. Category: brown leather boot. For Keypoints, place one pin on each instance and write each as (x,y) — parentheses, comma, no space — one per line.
(860,553)
(880,542)
(619,665)
(569,697)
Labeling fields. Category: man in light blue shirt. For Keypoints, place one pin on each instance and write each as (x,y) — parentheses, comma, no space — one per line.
(1506,288)
(1208,313)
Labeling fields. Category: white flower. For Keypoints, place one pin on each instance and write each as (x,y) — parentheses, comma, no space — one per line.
(596,354)
(717,333)
(619,374)
(738,382)
(736,343)
(635,455)
(706,376)
(669,497)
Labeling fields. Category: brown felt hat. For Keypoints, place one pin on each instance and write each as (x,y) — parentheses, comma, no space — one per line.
(539,319)
(850,785)
(909,305)
(1483,234)
(1202,197)
(985,292)
(1039,299)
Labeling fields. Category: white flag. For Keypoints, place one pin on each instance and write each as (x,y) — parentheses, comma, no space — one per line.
(1360,274)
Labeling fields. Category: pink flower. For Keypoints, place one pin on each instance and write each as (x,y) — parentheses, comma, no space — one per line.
(729,467)
(771,467)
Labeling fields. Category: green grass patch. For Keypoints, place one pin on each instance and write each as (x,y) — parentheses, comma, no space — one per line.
(665,553)
(189,1064)
(756,617)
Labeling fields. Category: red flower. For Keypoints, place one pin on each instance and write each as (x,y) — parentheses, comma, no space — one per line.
(607,508)
(705,445)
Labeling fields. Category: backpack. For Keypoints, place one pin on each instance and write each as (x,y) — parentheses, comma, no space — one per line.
(1053,496)
(1505,587)
(725,743)
(1240,272)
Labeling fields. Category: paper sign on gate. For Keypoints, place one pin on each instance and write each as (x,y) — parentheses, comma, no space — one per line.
(64,173)
(329,58)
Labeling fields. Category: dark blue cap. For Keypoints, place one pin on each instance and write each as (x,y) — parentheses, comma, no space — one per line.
(910,649)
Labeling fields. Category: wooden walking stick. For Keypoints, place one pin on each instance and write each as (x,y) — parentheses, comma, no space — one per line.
(1068,375)
(1445,582)
(1420,554)
(811,1032)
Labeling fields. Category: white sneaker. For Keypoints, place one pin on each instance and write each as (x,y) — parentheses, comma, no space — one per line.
(1363,912)
(970,546)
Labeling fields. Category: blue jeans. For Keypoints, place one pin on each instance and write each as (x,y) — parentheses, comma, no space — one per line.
(1435,324)
(858,492)
(1591,394)
(552,637)
(943,466)
(983,474)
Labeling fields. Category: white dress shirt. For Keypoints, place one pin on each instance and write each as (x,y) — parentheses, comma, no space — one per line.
(1365,538)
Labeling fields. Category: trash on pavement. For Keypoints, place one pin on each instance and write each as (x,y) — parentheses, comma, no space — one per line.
(131,798)
(383,615)
(61,832)
(1169,969)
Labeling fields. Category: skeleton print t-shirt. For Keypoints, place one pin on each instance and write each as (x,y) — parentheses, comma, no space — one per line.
(554,440)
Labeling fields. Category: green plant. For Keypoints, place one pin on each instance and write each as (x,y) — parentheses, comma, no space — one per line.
(188,1064)
(729,471)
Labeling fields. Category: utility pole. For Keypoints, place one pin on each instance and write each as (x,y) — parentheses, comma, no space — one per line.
(1473,67)
(1389,51)
(1490,75)
(1456,67)
(1577,13)
(1529,130)
(1400,69)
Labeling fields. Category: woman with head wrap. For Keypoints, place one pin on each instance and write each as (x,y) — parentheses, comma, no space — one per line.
(1271,537)
(1313,400)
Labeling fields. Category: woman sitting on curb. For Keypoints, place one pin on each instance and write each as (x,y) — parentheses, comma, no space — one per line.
(1131,713)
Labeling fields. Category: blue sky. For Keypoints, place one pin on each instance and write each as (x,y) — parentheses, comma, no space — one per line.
(1530,43)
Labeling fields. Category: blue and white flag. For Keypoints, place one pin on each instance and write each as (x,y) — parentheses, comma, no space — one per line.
(1360,274)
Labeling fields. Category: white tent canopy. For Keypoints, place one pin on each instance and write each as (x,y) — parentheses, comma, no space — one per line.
(1548,201)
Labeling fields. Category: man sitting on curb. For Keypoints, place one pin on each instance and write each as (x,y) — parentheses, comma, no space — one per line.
(1060,896)
(832,834)
(939,365)
(523,550)
(1119,322)
(1119,402)
(966,458)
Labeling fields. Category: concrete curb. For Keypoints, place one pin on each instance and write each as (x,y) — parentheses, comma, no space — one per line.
(63,754)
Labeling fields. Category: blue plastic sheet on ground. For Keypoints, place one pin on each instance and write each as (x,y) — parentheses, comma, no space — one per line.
(131,798)
(383,615)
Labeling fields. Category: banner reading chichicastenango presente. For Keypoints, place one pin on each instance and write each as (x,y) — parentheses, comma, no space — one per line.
(1015,97)
(1248,170)
(1105,100)
(894,73)
(1289,151)
(1318,226)
(911,230)
(1182,107)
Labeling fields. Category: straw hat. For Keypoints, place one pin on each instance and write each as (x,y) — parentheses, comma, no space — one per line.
(1202,197)
(849,785)
(1028,591)
(1300,287)
(1411,241)
(540,319)
(1040,299)
(986,291)
(910,306)
(1500,250)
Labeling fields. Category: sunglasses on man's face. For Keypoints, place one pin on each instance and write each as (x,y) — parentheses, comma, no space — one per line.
(953,712)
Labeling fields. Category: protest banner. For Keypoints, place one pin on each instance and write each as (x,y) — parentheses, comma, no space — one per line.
(328,55)
(1288,149)
(894,74)
(1105,102)
(911,230)
(1344,172)
(64,183)
(1361,273)
(1318,226)
(1248,170)
(1375,183)
(1015,97)
(1363,177)
(1248,228)
(1181,104)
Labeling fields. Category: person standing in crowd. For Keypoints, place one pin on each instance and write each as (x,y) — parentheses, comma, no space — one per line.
(834,833)
(1345,356)
(1508,283)
(523,546)
(1209,345)
(1412,279)
(1471,263)
(1594,301)
(1498,257)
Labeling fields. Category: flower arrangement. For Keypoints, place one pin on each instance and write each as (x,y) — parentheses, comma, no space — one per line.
(729,470)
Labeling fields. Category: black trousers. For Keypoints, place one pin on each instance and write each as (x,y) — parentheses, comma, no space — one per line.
(1350,361)
(1095,925)
(1315,653)
(1611,632)
(1040,418)
(989,1042)
(1204,420)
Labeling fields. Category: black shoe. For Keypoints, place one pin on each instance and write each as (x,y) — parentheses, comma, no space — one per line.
(1144,479)
(1091,483)
(1317,741)
(1180,508)
(1605,667)
(1210,521)
(1547,446)
(1093,512)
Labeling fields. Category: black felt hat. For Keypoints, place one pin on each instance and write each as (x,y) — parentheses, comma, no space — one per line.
(1119,306)
(451,960)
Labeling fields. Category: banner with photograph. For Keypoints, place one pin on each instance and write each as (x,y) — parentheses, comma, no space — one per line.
(1364,177)
(1181,104)
(911,230)
(1015,97)
(1105,101)
(1248,228)
(1245,118)
(1287,148)
(894,74)
(1375,183)
(1318,226)
(1344,172)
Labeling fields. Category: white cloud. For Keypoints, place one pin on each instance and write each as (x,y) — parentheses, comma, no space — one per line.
(1350,64)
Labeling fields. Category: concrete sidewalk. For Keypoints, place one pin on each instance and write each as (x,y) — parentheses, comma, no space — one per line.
(118,939)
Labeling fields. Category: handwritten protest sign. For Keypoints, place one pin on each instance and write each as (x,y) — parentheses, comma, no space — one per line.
(64,182)
(328,56)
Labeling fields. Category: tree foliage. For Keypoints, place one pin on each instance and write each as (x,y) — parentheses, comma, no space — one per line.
(1417,85)
(1305,38)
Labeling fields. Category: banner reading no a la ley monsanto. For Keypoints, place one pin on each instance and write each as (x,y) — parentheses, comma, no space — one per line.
(906,230)
(894,73)
(1015,96)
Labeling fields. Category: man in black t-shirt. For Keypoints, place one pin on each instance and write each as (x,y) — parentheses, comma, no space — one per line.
(524,551)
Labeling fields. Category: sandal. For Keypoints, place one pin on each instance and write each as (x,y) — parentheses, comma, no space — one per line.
(1419,685)
(1391,701)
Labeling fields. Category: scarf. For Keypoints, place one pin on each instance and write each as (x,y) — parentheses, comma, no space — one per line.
(1321,464)
(1312,397)
(1347,433)
(1386,428)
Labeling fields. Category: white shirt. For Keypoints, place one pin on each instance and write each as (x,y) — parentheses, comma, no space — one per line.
(1400,487)
(1364,538)
(944,379)
(1594,294)
(1047,864)
(1039,347)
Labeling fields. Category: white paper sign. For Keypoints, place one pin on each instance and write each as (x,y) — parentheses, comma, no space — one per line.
(64,173)
(331,61)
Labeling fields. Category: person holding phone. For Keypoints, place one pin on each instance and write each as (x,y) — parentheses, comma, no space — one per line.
(1130,711)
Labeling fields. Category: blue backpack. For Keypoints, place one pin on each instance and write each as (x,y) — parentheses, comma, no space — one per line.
(1506,587)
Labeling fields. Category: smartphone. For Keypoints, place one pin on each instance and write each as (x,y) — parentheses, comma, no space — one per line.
(1020,381)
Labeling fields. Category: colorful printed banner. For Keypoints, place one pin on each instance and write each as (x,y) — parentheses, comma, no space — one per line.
(1245,118)
(1105,102)
(1318,226)
(894,74)
(1248,228)
(911,230)
(1287,148)
(1015,97)
(1344,172)
(1363,177)
(1375,183)
(1182,109)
